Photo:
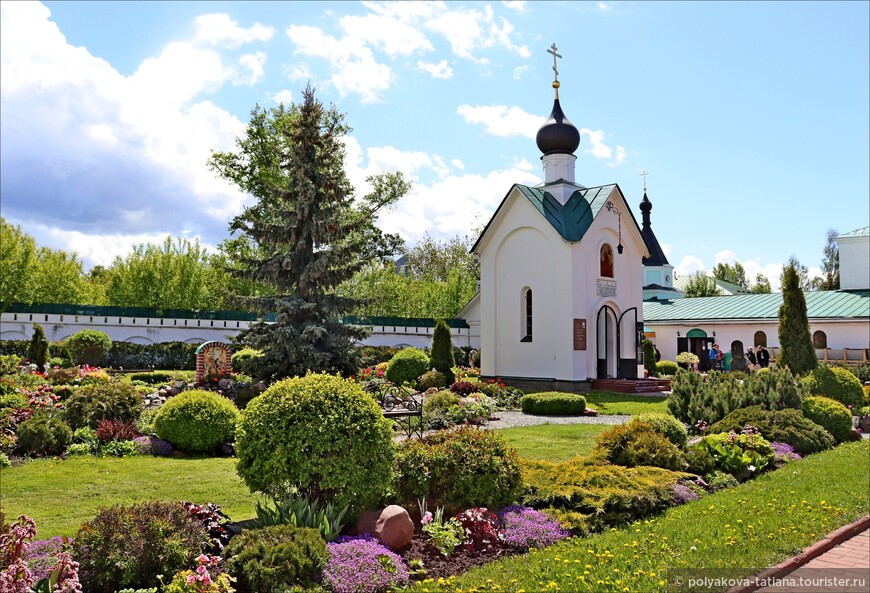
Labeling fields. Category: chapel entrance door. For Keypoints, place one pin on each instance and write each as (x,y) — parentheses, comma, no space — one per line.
(606,342)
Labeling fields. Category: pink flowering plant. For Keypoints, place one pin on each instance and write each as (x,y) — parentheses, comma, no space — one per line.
(16,576)
(473,408)
(361,564)
(207,578)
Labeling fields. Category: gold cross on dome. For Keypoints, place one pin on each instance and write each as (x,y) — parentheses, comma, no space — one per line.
(644,174)
(554,50)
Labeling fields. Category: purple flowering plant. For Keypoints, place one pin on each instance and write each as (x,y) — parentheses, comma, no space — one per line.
(783,453)
(151,445)
(526,528)
(683,494)
(361,564)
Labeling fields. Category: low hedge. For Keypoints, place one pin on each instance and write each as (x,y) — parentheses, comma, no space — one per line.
(553,403)
(666,367)
(588,496)
(783,426)
(836,383)
(197,421)
(832,415)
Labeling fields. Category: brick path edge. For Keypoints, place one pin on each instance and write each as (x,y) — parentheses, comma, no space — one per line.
(830,541)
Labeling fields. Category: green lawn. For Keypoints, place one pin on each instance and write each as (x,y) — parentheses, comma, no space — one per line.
(607,402)
(553,442)
(61,495)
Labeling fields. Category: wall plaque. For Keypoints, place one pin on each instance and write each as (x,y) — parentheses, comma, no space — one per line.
(579,334)
(606,288)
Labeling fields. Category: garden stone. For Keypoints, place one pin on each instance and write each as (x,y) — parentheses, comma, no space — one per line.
(393,526)
(431,390)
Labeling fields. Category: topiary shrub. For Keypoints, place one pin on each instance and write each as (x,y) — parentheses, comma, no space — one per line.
(832,415)
(666,425)
(321,435)
(784,426)
(458,469)
(37,350)
(441,356)
(197,421)
(431,379)
(274,558)
(649,358)
(638,443)
(695,398)
(836,383)
(241,360)
(91,404)
(43,435)
(553,403)
(667,367)
(406,365)
(88,346)
(129,546)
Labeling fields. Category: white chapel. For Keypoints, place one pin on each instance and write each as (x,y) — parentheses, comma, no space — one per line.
(561,274)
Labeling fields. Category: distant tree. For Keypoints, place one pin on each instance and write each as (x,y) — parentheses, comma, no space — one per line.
(762,284)
(441,356)
(96,284)
(831,263)
(309,234)
(57,278)
(17,260)
(804,281)
(701,285)
(432,259)
(796,344)
(735,274)
(37,350)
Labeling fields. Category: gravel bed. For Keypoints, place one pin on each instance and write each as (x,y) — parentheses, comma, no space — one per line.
(512,419)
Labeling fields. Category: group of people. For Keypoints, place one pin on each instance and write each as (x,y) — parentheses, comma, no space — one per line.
(758,359)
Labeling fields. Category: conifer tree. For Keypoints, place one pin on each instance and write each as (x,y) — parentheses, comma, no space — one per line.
(796,344)
(308,232)
(442,351)
(37,350)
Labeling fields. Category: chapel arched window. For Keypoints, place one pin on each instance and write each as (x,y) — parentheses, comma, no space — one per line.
(606,261)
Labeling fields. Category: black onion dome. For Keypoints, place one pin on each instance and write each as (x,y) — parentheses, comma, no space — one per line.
(557,135)
(656,253)
(645,205)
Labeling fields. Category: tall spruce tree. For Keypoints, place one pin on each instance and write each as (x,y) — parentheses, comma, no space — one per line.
(442,351)
(309,234)
(37,350)
(796,344)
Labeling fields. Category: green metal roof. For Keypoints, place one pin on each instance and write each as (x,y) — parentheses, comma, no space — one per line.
(829,304)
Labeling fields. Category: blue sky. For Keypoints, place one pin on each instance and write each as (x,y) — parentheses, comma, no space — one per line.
(751,118)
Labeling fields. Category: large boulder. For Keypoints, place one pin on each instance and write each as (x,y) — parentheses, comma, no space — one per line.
(393,526)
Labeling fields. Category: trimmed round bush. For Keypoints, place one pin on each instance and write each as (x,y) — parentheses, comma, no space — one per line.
(276,557)
(129,546)
(92,404)
(197,421)
(553,403)
(431,379)
(41,435)
(832,415)
(638,443)
(321,435)
(88,346)
(835,383)
(666,425)
(406,365)
(666,367)
(241,360)
(458,469)
(784,426)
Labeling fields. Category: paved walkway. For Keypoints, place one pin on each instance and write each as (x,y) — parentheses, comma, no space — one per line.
(844,568)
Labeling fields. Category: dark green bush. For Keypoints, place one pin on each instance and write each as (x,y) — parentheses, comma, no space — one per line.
(319,434)
(9,363)
(666,367)
(649,358)
(163,355)
(784,426)
(407,365)
(831,414)
(37,350)
(861,371)
(271,559)
(836,383)
(442,352)
(43,435)
(553,403)
(694,397)
(458,469)
(153,378)
(431,379)
(241,360)
(700,461)
(129,546)
(88,346)
(718,480)
(638,443)
(666,425)
(588,496)
(91,404)
(12,398)
(373,355)
(197,421)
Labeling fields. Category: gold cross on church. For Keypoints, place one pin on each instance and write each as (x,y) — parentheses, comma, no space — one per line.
(554,50)
(644,174)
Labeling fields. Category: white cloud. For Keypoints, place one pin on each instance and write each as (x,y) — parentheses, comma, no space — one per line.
(221,29)
(619,158)
(519,71)
(458,164)
(501,120)
(298,72)
(518,5)
(391,35)
(689,265)
(253,63)
(470,30)
(603,6)
(283,96)
(440,70)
